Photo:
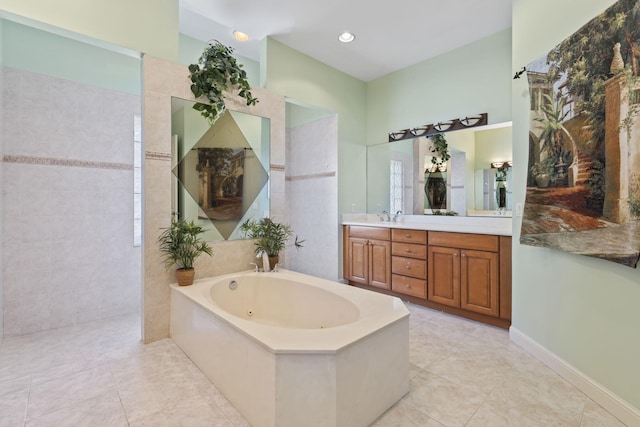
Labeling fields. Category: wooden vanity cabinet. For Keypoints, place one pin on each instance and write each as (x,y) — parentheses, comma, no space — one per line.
(367,256)
(461,273)
(409,262)
(464,271)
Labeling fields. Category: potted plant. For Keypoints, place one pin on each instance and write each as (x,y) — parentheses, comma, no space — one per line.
(541,173)
(216,71)
(271,237)
(180,245)
(440,149)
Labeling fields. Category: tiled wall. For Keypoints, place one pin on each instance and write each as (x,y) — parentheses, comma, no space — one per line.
(312,158)
(161,81)
(1,198)
(68,203)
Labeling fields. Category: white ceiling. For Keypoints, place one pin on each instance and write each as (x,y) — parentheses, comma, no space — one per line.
(389,35)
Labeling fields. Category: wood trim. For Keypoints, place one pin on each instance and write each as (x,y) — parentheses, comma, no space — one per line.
(505,277)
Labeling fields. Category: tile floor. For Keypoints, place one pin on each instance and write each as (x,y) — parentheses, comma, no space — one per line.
(99,374)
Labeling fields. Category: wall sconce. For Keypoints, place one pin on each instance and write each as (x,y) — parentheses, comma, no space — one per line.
(498,165)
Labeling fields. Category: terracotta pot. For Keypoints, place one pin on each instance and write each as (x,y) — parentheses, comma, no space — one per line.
(185,277)
(273,260)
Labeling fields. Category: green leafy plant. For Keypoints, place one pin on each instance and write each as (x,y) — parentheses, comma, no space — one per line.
(502,172)
(270,236)
(596,185)
(441,151)
(181,244)
(445,213)
(216,71)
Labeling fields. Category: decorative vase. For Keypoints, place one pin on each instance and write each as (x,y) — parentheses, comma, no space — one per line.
(435,189)
(542,180)
(185,276)
(501,194)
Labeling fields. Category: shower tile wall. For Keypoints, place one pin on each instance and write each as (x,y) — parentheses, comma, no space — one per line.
(1,181)
(67,217)
(312,153)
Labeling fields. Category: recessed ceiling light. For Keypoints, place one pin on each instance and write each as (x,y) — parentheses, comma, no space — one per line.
(240,36)
(346,37)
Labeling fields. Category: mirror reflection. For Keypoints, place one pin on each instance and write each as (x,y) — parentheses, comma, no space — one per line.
(220,172)
(477,177)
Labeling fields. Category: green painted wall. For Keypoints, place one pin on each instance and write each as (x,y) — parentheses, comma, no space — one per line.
(190,50)
(148,26)
(582,309)
(302,78)
(42,52)
(493,145)
(473,79)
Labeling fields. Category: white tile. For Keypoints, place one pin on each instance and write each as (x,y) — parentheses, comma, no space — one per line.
(60,393)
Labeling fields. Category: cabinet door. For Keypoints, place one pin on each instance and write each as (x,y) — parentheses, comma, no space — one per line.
(443,285)
(358,260)
(380,264)
(479,282)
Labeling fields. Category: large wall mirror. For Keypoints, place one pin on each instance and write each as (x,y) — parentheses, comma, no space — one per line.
(396,173)
(220,172)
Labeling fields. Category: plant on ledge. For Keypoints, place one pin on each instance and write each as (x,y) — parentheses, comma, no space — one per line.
(180,245)
(441,150)
(216,71)
(270,236)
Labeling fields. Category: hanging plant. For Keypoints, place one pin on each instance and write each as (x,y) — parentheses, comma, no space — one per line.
(441,151)
(216,71)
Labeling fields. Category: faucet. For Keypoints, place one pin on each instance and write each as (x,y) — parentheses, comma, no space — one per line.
(395,217)
(256,269)
(265,260)
(384,216)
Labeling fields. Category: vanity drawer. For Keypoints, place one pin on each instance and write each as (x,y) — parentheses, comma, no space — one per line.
(377,233)
(409,250)
(409,286)
(408,236)
(409,267)
(478,242)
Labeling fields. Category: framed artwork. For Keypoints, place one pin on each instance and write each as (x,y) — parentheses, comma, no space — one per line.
(220,178)
(583,183)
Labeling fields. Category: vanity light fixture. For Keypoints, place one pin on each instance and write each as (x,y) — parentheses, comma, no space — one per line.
(498,165)
(440,127)
(240,36)
(346,37)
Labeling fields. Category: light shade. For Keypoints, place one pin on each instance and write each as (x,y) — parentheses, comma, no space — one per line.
(346,37)
(240,36)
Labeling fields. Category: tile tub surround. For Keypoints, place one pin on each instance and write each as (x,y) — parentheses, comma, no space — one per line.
(163,80)
(68,254)
(98,373)
(278,374)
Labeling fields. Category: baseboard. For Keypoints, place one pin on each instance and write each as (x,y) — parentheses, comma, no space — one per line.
(616,406)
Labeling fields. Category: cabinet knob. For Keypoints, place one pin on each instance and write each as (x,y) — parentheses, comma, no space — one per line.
(408,267)
(407,286)
(408,251)
(463,255)
(407,235)
(455,254)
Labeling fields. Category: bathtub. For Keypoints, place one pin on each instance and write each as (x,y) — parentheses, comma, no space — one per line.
(287,349)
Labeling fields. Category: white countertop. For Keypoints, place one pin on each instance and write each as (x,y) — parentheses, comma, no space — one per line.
(498,225)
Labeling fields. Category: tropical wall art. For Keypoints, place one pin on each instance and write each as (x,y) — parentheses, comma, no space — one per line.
(583,183)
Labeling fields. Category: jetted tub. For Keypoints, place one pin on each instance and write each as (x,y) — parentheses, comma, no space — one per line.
(289,349)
